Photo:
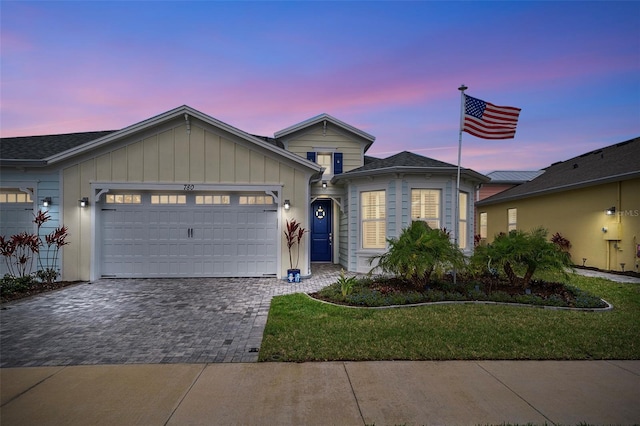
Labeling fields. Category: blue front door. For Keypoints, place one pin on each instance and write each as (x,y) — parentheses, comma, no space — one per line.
(321,231)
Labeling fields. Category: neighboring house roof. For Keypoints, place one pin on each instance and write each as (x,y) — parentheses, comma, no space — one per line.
(610,164)
(41,147)
(407,162)
(325,117)
(513,176)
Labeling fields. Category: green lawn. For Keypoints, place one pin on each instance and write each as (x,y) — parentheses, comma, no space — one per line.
(300,329)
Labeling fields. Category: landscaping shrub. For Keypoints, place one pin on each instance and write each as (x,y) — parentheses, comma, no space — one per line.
(417,253)
(20,250)
(520,250)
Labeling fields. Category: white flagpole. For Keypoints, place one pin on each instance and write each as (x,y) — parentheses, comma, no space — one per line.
(456,196)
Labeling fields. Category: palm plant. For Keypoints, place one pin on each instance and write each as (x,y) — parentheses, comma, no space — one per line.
(527,251)
(418,252)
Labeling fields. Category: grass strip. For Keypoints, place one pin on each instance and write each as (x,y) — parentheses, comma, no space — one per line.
(299,329)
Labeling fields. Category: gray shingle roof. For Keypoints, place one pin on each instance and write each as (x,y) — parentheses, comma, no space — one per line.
(407,162)
(41,147)
(403,159)
(612,163)
(368,159)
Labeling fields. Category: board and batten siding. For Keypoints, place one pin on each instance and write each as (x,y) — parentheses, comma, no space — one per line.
(173,155)
(317,140)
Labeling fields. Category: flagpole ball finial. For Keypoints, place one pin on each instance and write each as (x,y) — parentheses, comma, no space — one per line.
(462,88)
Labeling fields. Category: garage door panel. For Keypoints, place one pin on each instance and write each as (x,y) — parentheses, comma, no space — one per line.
(147,240)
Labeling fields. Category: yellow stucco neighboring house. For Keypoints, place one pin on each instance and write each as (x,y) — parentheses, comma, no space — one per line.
(592,200)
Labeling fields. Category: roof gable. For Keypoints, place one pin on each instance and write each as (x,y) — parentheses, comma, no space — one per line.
(86,142)
(612,163)
(328,118)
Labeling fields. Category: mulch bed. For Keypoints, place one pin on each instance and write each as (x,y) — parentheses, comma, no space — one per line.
(488,285)
(38,289)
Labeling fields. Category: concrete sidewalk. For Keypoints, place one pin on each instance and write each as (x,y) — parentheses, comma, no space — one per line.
(332,393)
(609,276)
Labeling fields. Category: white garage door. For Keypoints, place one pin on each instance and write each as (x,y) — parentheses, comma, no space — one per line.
(194,235)
(16,216)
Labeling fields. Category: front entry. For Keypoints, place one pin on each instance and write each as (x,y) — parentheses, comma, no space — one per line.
(321,237)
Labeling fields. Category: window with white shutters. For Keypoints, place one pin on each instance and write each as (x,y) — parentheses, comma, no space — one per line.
(483,225)
(425,206)
(326,161)
(512,219)
(373,205)
(462,223)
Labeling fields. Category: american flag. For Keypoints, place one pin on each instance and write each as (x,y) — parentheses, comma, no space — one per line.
(489,121)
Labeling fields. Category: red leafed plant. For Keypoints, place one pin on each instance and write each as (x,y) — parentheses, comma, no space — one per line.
(293,235)
(561,242)
(20,249)
(56,239)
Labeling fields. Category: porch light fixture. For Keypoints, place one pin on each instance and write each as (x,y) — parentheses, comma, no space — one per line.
(46,201)
(324,183)
(611,211)
(287,204)
(84,201)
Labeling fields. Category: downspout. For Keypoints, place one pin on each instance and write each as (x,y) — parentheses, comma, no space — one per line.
(618,220)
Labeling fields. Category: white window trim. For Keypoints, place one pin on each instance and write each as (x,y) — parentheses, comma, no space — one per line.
(326,175)
(512,226)
(383,220)
(483,227)
(463,243)
(440,192)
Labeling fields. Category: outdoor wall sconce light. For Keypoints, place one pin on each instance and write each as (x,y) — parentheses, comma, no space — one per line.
(287,204)
(611,211)
(46,201)
(324,183)
(84,201)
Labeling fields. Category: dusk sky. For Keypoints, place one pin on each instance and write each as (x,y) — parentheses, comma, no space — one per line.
(391,69)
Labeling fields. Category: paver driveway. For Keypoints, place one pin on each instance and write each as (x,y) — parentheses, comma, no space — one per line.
(122,321)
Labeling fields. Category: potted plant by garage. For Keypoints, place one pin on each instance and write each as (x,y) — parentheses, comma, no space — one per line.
(294,234)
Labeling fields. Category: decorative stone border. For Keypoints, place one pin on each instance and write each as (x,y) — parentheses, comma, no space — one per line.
(609,306)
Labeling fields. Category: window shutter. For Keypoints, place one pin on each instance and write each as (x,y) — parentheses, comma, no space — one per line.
(337,163)
(311,156)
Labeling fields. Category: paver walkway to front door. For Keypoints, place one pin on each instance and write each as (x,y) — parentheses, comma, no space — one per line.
(124,321)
